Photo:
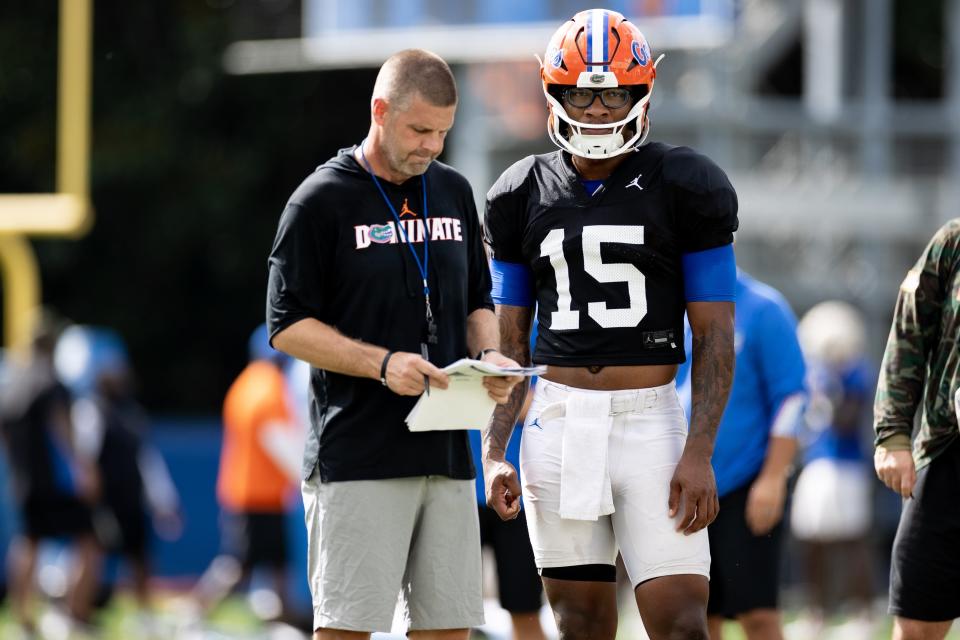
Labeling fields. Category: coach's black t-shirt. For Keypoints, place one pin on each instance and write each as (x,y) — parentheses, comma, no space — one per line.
(607,267)
(339,257)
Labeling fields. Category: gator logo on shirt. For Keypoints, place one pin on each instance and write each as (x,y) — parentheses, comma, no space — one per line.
(414,230)
(381,233)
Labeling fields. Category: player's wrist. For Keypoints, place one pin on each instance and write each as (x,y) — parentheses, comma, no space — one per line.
(896,442)
(483,353)
(699,447)
(384,364)
(774,476)
(493,456)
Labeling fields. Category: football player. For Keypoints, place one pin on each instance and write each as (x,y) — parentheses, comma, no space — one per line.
(612,240)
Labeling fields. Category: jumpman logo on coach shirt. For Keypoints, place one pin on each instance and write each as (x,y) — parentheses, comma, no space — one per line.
(405,210)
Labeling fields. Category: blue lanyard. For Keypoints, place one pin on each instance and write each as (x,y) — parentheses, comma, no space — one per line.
(421,266)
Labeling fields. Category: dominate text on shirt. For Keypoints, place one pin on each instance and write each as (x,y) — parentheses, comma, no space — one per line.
(413,231)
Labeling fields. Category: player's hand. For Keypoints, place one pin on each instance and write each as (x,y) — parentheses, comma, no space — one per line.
(502,488)
(693,492)
(405,372)
(499,387)
(765,503)
(896,469)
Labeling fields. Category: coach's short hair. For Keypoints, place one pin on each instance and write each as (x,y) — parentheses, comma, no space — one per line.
(416,71)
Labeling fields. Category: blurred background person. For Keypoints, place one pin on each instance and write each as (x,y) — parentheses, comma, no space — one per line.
(297,373)
(259,471)
(9,520)
(831,512)
(519,588)
(8,517)
(753,457)
(54,485)
(111,427)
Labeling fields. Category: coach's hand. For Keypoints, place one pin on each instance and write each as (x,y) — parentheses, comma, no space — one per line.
(693,492)
(405,372)
(896,470)
(502,488)
(765,503)
(499,387)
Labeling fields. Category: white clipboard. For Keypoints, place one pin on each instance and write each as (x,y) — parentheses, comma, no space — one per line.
(464,404)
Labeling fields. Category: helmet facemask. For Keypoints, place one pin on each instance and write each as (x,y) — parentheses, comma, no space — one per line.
(575,137)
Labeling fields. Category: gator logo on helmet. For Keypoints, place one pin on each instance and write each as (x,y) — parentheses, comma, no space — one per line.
(597,78)
(641,53)
(555,56)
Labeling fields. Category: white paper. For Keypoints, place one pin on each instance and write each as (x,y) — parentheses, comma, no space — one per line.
(464,404)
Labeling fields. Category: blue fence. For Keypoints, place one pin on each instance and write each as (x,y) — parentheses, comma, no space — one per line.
(322,15)
(191,449)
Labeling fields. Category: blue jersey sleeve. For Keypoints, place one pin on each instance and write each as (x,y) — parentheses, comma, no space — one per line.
(710,275)
(512,283)
(781,362)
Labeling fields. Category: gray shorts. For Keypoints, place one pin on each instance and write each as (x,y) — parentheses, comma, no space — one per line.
(370,540)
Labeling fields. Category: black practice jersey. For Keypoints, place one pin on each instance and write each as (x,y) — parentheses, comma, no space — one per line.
(340,257)
(607,267)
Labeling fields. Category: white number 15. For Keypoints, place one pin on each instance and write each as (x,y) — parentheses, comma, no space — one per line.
(565,318)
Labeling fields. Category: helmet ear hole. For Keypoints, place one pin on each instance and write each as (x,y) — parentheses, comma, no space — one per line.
(562,126)
(639,91)
(556,92)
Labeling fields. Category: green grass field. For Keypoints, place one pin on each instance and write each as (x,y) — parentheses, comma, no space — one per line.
(837,629)
(234,620)
(122,621)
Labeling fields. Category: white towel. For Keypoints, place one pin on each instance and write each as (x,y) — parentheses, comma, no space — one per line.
(585,492)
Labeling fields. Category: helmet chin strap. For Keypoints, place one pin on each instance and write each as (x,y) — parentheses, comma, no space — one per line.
(598,146)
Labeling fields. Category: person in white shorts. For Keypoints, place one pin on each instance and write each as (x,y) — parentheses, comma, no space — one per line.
(377,276)
(832,509)
(612,240)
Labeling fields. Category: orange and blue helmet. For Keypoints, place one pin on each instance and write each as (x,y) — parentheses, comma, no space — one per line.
(598,49)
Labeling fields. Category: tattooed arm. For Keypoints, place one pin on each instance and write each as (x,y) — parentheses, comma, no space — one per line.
(693,489)
(502,486)
(483,334)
